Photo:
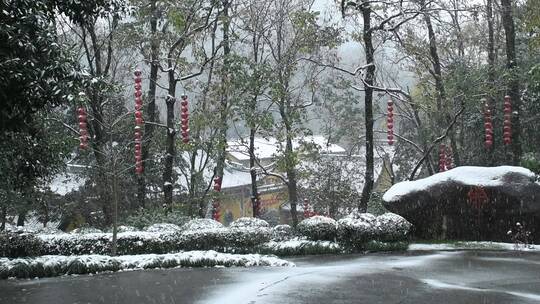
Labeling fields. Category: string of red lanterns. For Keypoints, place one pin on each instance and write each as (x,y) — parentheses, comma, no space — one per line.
(442,158)
(308,210)
(216,214)
(507,124)
(184,115)
(488,126)
(138,123)
(390,122)
(83,128)
(449,161)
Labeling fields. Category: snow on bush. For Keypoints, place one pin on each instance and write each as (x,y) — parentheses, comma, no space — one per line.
(86,230)
(19,244)
(247,237)
(124,228)
(318,228)
(49,230)
(198,224)
(163,228)
(250,222)
(203,239)
(282,233)
(393,227)
(47,266)
(299,247)
(224,239)
(357,228)
(100,243)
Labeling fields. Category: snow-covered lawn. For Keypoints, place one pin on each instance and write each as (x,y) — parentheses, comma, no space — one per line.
(473,246)
(55,265)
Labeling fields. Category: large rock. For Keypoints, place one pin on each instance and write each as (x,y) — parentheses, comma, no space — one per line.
(474,203)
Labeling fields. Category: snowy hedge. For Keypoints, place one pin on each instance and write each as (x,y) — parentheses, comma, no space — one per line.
(249,222)
(224,239)
(19,244)
(299,247)
(85,230)
(318,228)
(163,228)
(203,223)
(100,243)
(48,266)
(393,227)
(357,229)
(282,233)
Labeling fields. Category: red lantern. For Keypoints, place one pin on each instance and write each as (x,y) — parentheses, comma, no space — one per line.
(449,160)
(184,123)
(488,126)
(442,158)
(216,215)
(507,124)
(390,122)
(83,128)
(217,184)
(138,122)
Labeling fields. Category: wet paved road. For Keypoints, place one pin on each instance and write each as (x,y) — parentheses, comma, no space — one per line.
(412,277)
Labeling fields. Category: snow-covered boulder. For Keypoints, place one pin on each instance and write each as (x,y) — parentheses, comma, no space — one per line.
(357,228)
(163,228)
(465,202)
(282,233)
(202,223)
(318,228)
(249,222)
(392,227)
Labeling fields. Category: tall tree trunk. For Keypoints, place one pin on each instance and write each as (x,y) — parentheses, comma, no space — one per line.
(99,135)
(255,199)
(513,83)
(170,150)
(290,165)
(21,218)
(224,103)
(3,218)
(151,108)
(442,103)
(253,173)
(369,80)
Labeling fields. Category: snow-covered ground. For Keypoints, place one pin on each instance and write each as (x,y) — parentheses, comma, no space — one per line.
(478,277)
(474,246)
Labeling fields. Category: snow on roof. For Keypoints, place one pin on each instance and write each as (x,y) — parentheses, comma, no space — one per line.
(266,148)
(65,183)
(231,177)
(466,175)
